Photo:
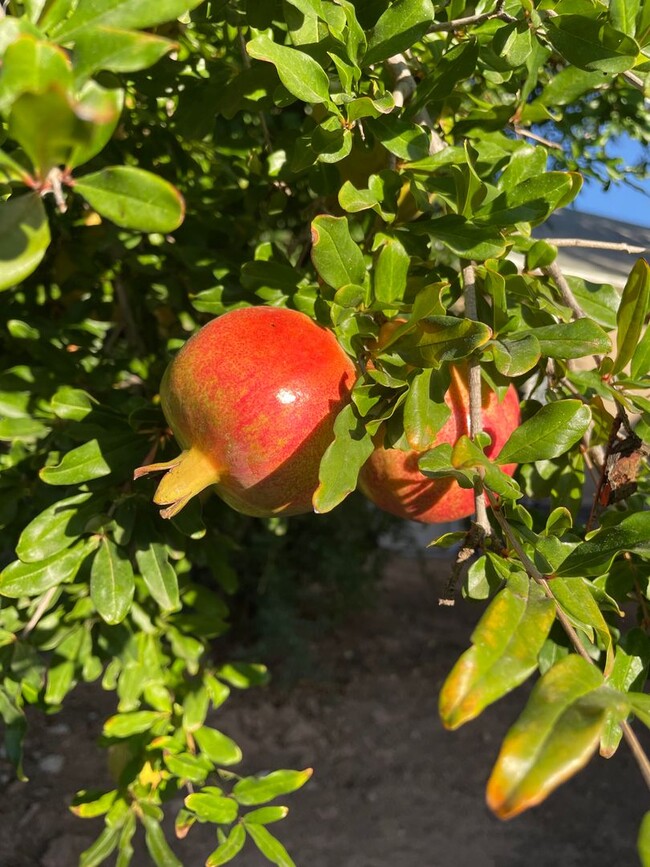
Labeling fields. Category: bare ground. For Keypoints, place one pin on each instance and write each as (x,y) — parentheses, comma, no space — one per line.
(391,787)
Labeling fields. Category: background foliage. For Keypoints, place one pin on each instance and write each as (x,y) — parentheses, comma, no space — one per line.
(358,162)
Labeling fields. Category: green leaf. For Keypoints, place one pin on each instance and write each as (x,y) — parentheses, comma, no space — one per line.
(133,198)
(641,359)
(578,603)
(128,14)
(441,338)
(32,579)
(400,26)
(54,530)
(15,429)
(116,50)
(269,846)
(159,575)
(100,850)
(635,303)
(595,556)
(353,200)
(111,582)
(554,737)
(303,77)
(506,643)
(344,457)
(92,460)
(123,725)
(425,410)
(466,454)
(265,815)
(516,354)
(157,845)
(250,791)
(630,668)
(24,238)
(93,803)
(572,339)
(232,845)
(531,201)
(643,841)
(405,140)
(187,767)
(549,433)
(32,66)
(463,238)
(390,272)
(102,108)
(336,257)
(590,44)
(212,808)
(218,747)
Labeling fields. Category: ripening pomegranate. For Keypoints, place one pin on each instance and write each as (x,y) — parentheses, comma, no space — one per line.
(252,398)
(391,477)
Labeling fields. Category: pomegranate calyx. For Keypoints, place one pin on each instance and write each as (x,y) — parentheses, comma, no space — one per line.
(185,476)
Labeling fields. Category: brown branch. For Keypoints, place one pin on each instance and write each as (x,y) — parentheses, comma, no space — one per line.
(460,23)
(594,245)
(553,271)
(40,611)
(475,399)
(540,138)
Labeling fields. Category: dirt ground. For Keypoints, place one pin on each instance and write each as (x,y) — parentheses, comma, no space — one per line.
(391,788)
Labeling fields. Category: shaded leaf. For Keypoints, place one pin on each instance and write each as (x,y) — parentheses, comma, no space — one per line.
(336,257)
(590,44)
(92,460)
(578,603)
(303,77)
(159,575)
(595,556)
(55,529)
(157,845)
(425,410)
(398,28)
(343,458)
(116,50)
(634,306)
(112,583)
(572,339)
(129,14)
(24,238)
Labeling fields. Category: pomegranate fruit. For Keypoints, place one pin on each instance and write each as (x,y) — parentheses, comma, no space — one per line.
(252,399)
(391,477)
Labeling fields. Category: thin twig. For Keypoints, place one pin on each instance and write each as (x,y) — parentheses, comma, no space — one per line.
(637,751)
(553,271)
(460,23)
(41,608)
(595,245)
(540,138)
(404,88)
(475,397)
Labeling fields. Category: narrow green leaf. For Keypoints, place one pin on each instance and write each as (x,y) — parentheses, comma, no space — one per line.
(398,28)
(32,579)
(269,846)
(390,272)
(572,339)
(595,556)
(425,410)
(123,725)
(111,582)
(92,460)
(506,643)
(250,791)
(232,846)
(630,669)
(133,198)
(635,303)
(212,808)
(643,841)
(159,575)
(464,238)
(589,44)
(116,50)
(54,530)
(336,257)
(640,365)
(344,457)
(554,737)
(548,434)
(128,14)
(24,238)
(218,747)
(157,845)
(99,851)
(303,76)
(265,815)
(579,604)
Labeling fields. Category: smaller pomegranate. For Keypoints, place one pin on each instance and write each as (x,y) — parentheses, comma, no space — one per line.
(252,398)
(392,479)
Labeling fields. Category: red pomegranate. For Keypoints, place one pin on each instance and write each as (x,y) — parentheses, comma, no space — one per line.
(391,477)
(252,398)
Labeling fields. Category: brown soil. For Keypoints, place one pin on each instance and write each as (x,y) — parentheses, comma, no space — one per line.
(391,788)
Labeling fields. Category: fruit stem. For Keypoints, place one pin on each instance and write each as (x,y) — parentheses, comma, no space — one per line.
(185,476)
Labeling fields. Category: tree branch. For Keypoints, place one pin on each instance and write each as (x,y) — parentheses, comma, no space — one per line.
(594,245)
(460,23)
(540,138)
(475,401)
(553,271)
